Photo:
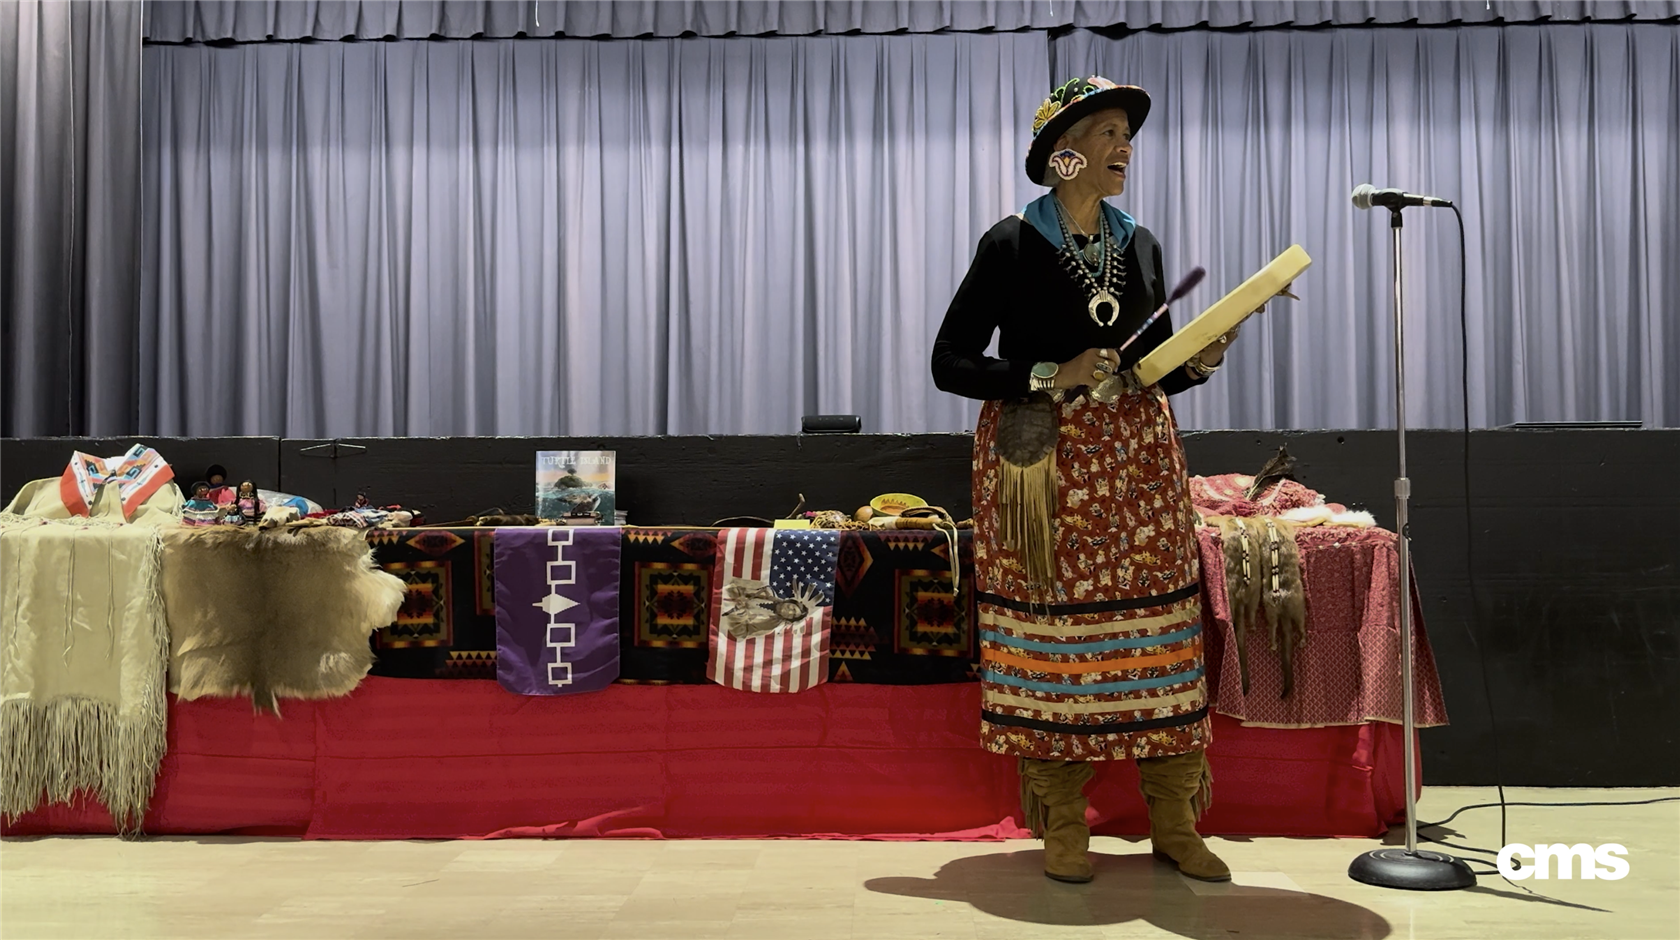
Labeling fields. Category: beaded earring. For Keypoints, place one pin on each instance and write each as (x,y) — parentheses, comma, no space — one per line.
(1067,163)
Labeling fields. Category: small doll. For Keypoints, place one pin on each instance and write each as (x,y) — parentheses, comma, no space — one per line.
(220,493)
(248,509)
(200,509)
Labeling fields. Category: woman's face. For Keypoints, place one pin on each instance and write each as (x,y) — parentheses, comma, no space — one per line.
(1106,142)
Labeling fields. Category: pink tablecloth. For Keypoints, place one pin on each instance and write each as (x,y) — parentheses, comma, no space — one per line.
(1349,670)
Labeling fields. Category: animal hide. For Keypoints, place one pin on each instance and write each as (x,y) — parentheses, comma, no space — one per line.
(85,651)
(1027,500)
(1242,583)
(1283,595)
(272,614)
(1263,582)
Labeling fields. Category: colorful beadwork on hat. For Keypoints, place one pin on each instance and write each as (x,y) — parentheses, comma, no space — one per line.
(1071,93)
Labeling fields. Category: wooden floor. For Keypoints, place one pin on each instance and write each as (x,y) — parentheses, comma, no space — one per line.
(88,887)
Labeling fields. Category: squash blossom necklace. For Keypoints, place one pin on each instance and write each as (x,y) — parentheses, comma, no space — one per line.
(1093,266)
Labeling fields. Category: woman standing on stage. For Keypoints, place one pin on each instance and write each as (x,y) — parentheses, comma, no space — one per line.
(1085,543)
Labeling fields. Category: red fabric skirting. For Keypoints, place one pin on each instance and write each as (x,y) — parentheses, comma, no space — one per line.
(412,758)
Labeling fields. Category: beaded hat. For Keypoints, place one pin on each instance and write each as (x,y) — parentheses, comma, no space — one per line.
(1072,101)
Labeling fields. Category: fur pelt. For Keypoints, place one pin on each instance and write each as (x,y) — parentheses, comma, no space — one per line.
(1263,583)
(1241,540)
(1283,595)
(1027,432)
(272,614)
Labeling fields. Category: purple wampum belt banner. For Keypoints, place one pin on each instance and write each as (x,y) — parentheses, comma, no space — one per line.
(557,609)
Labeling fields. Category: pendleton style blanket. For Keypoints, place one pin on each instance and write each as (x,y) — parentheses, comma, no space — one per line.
(665,599)
(283,613)
(86,649)
(897,620)
(446,625)
(556,609)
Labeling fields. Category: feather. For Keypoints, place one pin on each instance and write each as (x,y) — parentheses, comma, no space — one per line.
(1188,284)
(1276,470)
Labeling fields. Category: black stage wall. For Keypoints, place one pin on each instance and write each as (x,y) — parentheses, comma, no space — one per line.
(1574,534)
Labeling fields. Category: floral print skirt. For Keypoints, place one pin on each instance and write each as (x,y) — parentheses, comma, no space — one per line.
(1106,662)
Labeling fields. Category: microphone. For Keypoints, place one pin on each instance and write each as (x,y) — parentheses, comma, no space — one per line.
(1365,196)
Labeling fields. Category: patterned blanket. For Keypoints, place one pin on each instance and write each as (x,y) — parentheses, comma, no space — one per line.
(895,617)
(446,626)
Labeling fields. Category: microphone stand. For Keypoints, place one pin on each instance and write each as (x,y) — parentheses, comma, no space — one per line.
(1388,867)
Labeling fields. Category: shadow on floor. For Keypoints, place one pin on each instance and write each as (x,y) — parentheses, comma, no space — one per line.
(1136,888)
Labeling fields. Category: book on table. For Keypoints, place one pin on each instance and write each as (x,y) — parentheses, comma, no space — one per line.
(576,487)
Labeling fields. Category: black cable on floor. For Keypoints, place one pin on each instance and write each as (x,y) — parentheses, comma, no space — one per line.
(1469,516)
(1466,809)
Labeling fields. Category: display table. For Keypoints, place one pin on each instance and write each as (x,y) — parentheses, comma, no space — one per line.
(888,747)
(1348,670)
(404,759)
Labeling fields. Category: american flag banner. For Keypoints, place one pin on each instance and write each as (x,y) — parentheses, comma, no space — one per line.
(772,609)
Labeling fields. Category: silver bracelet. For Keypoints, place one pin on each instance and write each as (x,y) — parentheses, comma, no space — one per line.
(1198,368)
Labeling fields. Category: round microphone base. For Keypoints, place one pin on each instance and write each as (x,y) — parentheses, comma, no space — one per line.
(1412,871)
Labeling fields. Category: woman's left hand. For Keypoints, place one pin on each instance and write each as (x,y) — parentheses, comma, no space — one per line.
(1214,353)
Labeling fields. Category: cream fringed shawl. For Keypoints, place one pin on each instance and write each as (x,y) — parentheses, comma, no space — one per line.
(85,650)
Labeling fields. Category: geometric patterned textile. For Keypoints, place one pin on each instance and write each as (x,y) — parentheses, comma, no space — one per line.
(896,621)
(665,603)
(1348,670)
(446,627)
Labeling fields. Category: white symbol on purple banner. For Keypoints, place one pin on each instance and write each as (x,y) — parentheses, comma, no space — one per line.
(561,636)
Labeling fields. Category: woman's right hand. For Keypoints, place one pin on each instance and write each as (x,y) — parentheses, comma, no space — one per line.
(1090,368)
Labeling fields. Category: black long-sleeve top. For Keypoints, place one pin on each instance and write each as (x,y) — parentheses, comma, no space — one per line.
(1017,287)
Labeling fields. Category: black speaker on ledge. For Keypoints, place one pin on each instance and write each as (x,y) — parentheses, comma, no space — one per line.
(830,424)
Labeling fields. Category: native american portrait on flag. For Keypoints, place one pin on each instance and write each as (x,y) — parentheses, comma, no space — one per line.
(773,606)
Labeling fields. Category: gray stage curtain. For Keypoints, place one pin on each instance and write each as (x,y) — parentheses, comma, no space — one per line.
(566,236)
(69,214)
(260,20)
(1561,143)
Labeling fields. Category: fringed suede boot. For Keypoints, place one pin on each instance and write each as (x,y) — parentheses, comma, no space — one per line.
(1179,790)
(1053,803)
